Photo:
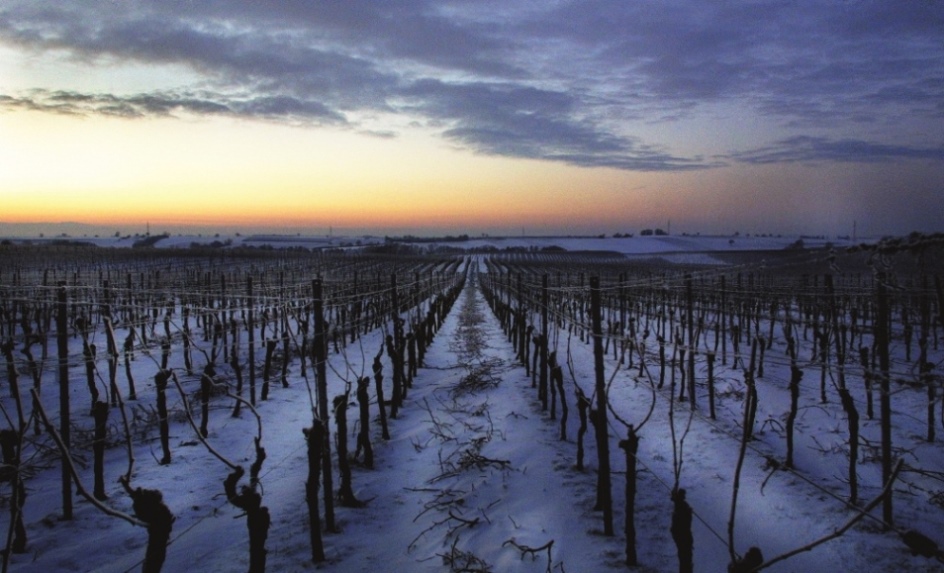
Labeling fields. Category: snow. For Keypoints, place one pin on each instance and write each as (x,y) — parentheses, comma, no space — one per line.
(525,487)
(208,535)
(643,245)
(659,246)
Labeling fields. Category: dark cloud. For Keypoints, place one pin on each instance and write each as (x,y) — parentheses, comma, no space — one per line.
(521,121)
(424,32)
(797,61)
(277,107)
(168,104)
(570,81)
(820,149)
(508,119)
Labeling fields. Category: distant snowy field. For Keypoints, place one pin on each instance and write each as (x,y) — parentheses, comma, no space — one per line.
(685,249)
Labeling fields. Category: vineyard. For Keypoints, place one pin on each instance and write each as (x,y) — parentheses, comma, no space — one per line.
(548,411)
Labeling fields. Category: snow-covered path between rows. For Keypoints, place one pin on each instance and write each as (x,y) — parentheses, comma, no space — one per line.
(470,444)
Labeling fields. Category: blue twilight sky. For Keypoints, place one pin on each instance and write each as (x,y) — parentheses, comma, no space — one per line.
(475,115)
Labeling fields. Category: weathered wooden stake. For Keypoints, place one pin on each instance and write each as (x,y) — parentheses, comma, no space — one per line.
(320,361)
(603,443)
(315,439)
(631,446)
(65,421)
(885,402)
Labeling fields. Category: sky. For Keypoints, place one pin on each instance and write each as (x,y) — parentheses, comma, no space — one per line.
(474,116)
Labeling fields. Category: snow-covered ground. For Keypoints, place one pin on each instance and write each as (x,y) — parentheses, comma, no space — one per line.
(688,249)
(474,467)
(644,245)
(465,402)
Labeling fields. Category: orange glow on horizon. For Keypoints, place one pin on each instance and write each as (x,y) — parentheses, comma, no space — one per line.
(224,173)
(232,173)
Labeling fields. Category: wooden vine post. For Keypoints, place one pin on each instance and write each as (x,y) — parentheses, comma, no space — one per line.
(315,439)
(321,370)
(885,405)
(519,328)
(363,434)
(234,363)
(270,345)
(796,376)
(723,309)
(251,326)
(128,347)
(747,427)
(65,423)
(690,323)
(378,381)
(583,404)
(710,360)
(631,446)
(393,348)
(12,377)
(604,494)
(206,388)
(557,381)
(100,413)
(925,367)
(161,380)
(11,447)
(542,376)
(837,332)
(112,347)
